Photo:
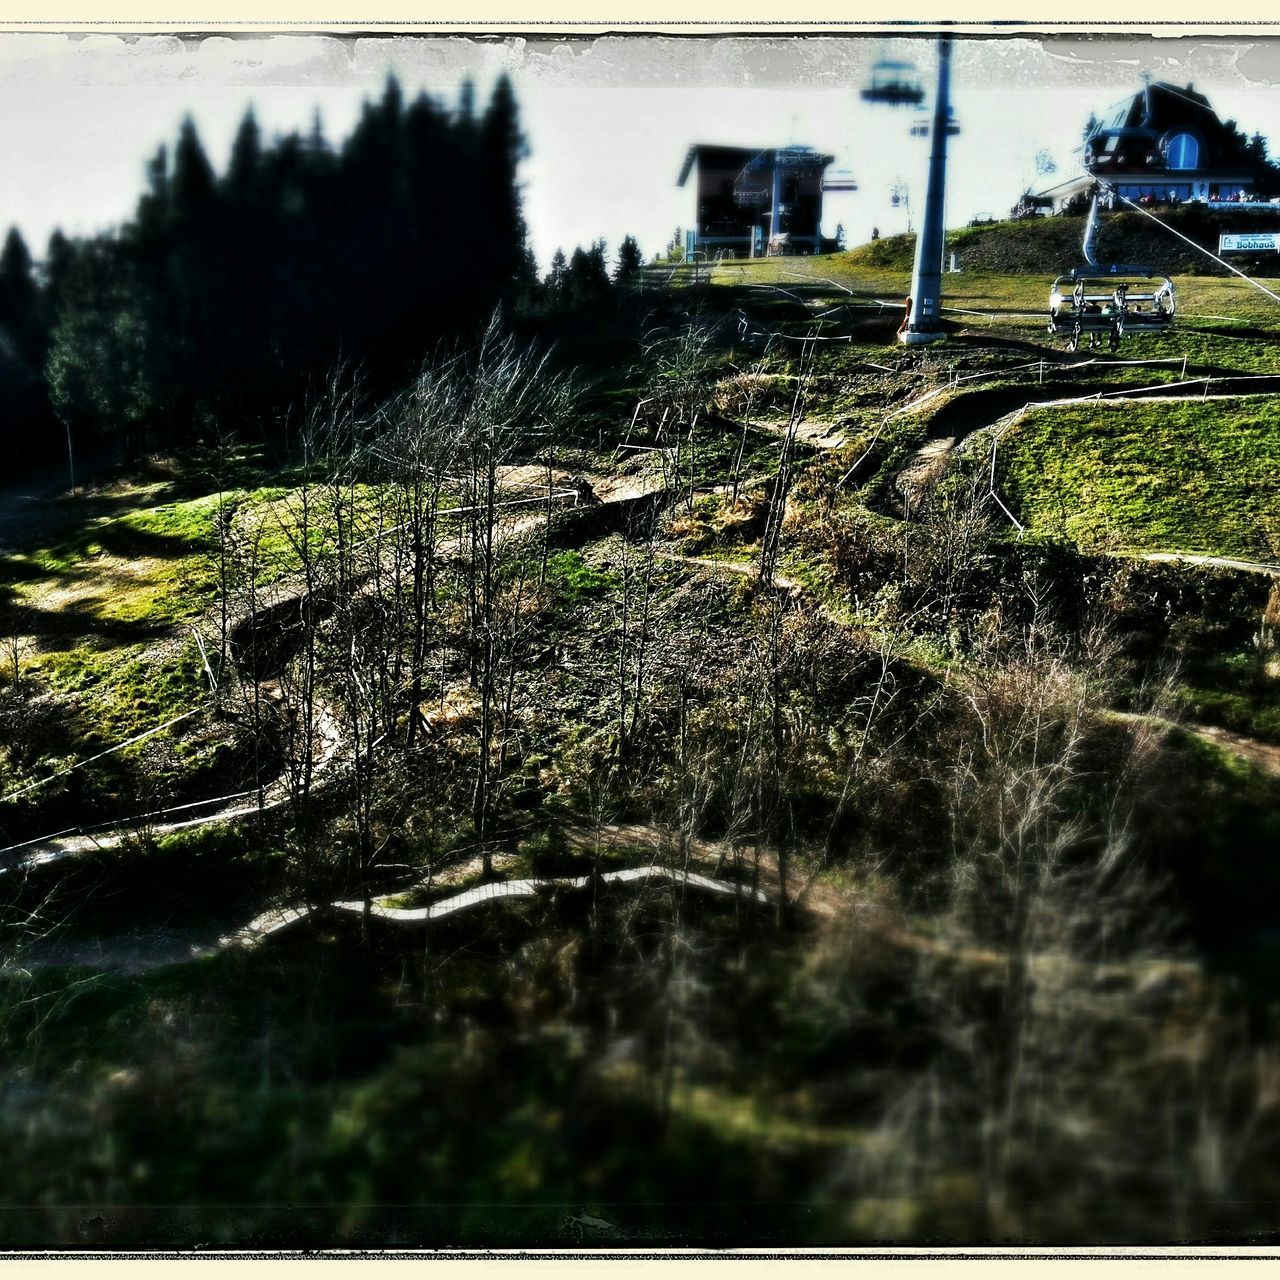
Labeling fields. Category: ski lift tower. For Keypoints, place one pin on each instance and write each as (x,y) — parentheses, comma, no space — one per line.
(924,320)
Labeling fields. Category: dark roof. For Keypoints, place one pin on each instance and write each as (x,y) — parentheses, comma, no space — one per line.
(1134,129)
(720,157)
(1162,106)
(714,157)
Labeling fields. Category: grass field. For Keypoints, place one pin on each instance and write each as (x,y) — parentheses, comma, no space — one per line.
(1198,476)
(1224,324)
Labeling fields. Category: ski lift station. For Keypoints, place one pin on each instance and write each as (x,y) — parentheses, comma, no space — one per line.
(752,202)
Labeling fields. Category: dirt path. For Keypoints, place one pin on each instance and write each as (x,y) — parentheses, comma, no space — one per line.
(276,921)
(1265,755)
(742,569)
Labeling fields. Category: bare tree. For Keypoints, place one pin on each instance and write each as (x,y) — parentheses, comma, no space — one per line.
(780,485)
(218,463)
(1045,982)
(682,365)
(16,640)
(508,393)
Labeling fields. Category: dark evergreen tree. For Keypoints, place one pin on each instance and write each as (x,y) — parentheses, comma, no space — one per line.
(557,283)
(530,295)
(19,313)
(107,366)
(316,142)
(586,277)
(502,147)
(155,206)
(629,259)
(58,258)
(246,158)
(23,404)
(193,180)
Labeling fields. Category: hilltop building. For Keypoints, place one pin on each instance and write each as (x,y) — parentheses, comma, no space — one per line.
(1167,144)
(752,202)
(1161,145)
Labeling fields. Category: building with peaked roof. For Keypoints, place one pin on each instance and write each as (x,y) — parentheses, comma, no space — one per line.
(751,201)
(1167,143)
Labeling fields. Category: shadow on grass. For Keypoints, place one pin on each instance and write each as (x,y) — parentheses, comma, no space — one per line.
(58,629)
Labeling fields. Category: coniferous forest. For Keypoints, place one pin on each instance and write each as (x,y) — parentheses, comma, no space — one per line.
(228,297)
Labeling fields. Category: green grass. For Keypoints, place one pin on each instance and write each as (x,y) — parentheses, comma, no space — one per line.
(1223,323)
(123,690)
(1023,246)
(1192,476)
(573,581)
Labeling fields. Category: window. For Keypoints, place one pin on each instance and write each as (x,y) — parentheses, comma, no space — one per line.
(1183,152)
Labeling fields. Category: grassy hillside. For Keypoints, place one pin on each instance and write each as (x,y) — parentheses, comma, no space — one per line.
(851,736)
(1038,245)
(1196,476)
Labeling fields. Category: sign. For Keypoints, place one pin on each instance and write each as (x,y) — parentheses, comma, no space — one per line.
(1252,242)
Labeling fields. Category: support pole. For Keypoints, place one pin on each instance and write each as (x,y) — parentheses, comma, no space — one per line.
(1091,233)
(776,206)
(925,321)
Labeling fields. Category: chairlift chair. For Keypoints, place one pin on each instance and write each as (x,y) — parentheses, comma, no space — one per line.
(923,126)
(1115,300)
(893,84)
(1110,298)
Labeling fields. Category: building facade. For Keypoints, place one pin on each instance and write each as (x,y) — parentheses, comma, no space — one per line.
(750,202)
(1167,144)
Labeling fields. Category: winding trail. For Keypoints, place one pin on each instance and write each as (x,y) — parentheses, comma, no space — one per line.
(275,922)
(45,851)
(139,950)
(1221,562)
(74,843)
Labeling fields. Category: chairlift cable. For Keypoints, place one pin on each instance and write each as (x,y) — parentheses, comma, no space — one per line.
(1168,88)
(1207,252)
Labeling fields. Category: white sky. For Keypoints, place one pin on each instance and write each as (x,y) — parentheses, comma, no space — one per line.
(608,120)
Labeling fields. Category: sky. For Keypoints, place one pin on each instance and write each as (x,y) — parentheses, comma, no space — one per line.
(608,119)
